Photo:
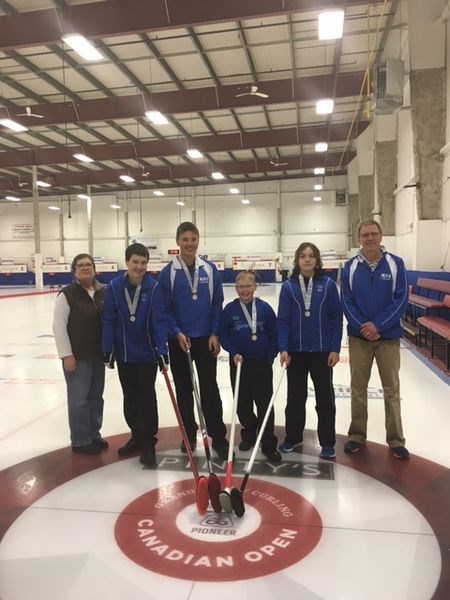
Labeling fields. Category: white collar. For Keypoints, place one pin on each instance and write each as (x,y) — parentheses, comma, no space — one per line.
(177,265)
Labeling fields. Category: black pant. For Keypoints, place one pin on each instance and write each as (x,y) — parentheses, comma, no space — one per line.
(316,364)
(139,401)
(210,399)
(255,386)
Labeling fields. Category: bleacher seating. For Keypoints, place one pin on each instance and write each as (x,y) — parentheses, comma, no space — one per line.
(431,326)
(426,297)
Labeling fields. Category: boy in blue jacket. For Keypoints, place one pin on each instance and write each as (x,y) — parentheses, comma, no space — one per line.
(193,294)
(248,332)
(309,341)
(135,332)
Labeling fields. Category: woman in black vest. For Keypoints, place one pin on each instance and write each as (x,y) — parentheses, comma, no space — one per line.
(77,329)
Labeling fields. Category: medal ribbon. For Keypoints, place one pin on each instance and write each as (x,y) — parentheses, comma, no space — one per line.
(251,321)
(306,291)
(192,284)
(132,306)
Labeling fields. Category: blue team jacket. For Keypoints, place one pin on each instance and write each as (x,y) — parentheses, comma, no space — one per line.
(144,339)
(379,296)
(194,318)
(320,332)
(235,332)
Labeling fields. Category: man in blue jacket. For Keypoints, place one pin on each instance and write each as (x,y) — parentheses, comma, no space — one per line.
(193,294)
(374,297)
(135,332)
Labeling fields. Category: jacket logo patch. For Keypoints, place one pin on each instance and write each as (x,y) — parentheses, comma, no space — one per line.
(203,279)
(386,276)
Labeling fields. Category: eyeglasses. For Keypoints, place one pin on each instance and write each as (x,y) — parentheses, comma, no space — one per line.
(84,266)
(370,234)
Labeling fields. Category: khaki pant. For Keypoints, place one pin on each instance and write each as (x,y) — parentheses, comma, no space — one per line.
(387,356)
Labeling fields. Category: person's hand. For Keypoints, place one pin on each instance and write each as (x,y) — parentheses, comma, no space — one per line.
(108,360)
(69,363)
(285,359)
(163,362)
(237,358)
(333,359)
(370,332)
(184,342)
(214,345)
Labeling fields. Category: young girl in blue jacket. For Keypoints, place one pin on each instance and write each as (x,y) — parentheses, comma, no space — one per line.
(309,341)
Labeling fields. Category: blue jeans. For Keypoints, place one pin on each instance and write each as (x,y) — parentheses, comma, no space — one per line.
(85,401)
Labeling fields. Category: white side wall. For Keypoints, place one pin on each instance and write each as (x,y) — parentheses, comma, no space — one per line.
(227,227)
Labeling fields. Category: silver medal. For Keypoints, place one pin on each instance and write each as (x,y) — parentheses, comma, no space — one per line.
(307,313)
(194,296)
(132,318)
(254,338)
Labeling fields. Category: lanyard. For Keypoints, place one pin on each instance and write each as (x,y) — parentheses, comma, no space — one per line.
(132,306)
(306,293)
(192,284)
(251,322)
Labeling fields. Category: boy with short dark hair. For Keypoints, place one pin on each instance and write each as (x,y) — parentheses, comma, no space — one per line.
(135,331)
(193,294)
(248,331)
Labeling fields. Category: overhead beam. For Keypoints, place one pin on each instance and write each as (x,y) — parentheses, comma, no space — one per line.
(301,89)
(186,171)
(176,147)
(127,17)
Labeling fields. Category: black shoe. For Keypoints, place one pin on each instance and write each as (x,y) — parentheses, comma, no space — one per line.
(148,457)
(272,456)
(86,449)
(101,443)
(129,448)
(221,448)
(400,452)
(192,444)
(244,446)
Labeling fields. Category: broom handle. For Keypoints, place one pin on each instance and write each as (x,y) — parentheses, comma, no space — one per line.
(233,426)
(261,430)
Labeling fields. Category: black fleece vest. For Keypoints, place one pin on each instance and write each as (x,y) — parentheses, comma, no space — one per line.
(84,326)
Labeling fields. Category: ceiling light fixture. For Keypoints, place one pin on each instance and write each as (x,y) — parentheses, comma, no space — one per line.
(331,24)
(51,207)
(194,153)
(43,184)
(116,206)
(181,203)
(127,178)
(318,187)
(321,147)
(319,171)
(245,201)
(83,157)
(82,46)
(83,197)
(317,198)
(234,191)
(324,106)
(13,125)
(156,117)
(217,175)
(158,193)
(13,198)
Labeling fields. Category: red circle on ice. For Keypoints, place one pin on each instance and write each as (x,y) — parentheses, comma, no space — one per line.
(284,528)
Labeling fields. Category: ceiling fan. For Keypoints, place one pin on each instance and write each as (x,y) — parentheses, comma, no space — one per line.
(253,92)
(276,162)
(29,113)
